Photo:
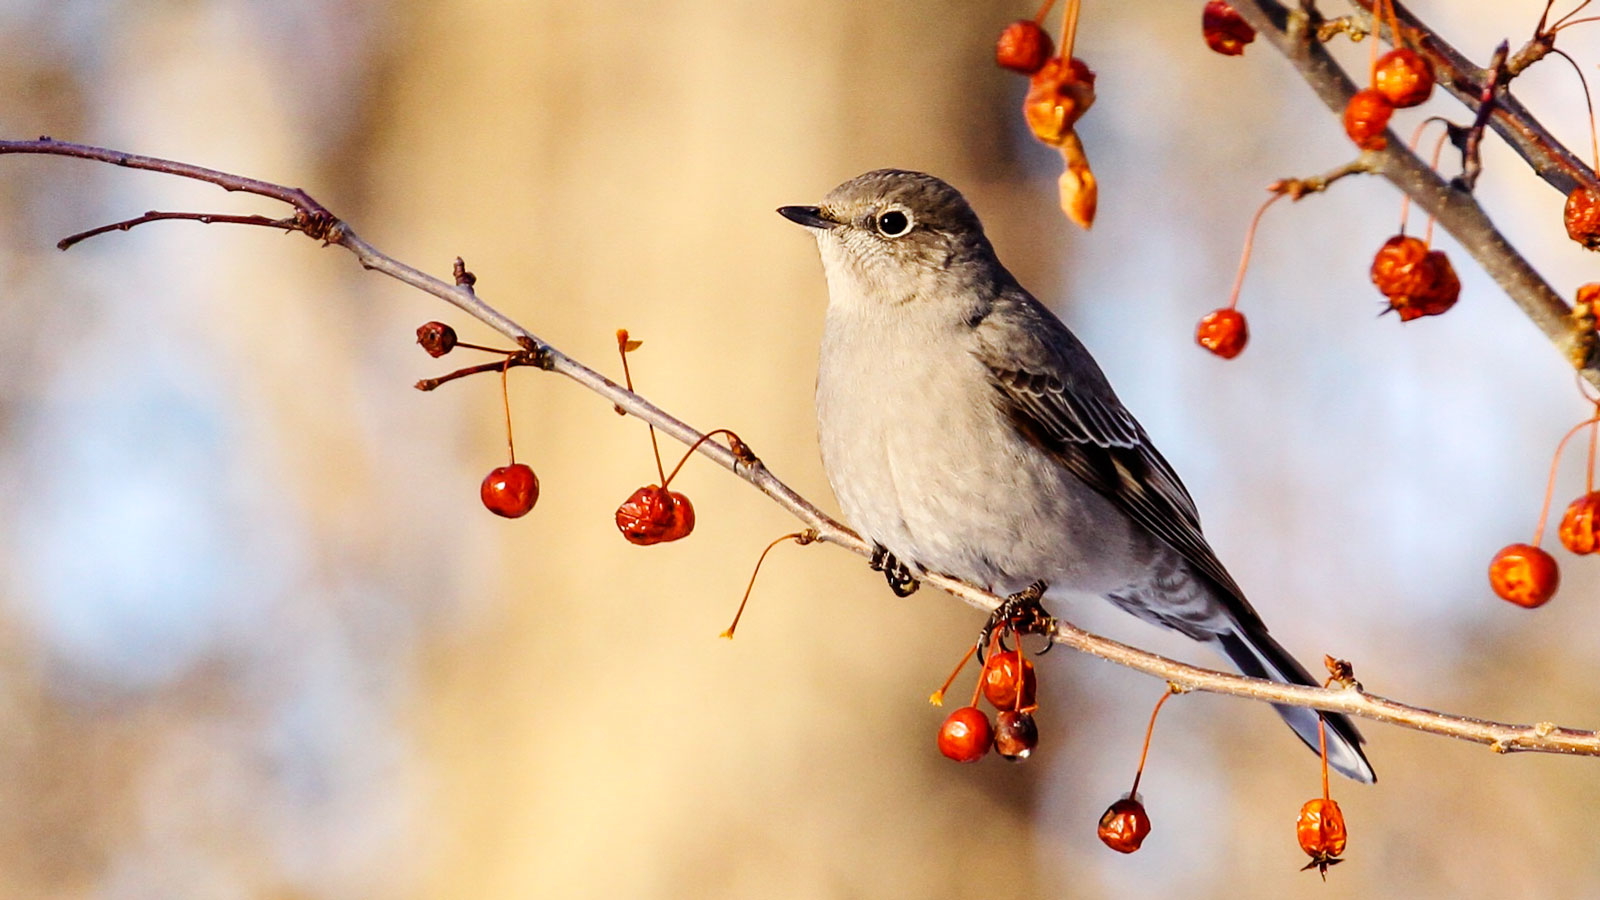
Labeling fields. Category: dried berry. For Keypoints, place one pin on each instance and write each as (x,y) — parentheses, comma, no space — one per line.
(1004,675)
(1015,735)
(1321,832)
(1580,526)
(1223,332)
(437,338)
(1525,575)
(1403,77)
(1023,47)
(510,491)
(1366,117)
(1417,281)
(1225,30)
(1058,94)
(654,515)
(1124,825)
(1582,216)
(965,735)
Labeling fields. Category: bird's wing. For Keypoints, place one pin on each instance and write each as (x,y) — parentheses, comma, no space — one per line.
(1051,388)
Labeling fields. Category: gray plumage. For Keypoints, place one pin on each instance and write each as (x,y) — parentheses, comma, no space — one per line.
(966,430)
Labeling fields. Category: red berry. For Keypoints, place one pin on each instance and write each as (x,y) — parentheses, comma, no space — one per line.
(965,735)
(1023,47)
(1003,675)
(1015,735)
(1417,281)
(1058,94)
(1580,527)
(1124,825)
(1321,832)
(1403,77)
(437,338)
(510,491)
(654,515)
(1582,217)
(1524,575)
(1224,29)
(1223,332)
(1366,117)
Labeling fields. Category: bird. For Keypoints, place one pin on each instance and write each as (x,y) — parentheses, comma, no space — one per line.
(966,431)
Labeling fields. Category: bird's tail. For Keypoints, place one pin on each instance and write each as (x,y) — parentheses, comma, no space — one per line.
(1255,653)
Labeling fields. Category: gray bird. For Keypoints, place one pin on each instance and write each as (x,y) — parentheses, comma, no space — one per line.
(966,431)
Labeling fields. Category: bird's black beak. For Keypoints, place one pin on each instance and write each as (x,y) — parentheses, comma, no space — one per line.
(809,216)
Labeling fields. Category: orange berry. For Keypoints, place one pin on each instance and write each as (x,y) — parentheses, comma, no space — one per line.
(1004,674)
(1058,94)
(1124,825)
(1321,832)
(1403,77)
(1366,117)
(1582,217)
(653,515)
(1417,281)
(1580,527)
(1524,575)
(510,491)
(1223,332)
(1023,47)
(965,735)
(1224,29)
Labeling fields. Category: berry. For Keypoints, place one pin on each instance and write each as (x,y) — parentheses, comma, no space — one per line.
(1366,117)
(1582,216)
(965,735)
(1124,825)
(1223,332)
(1580,527)
(437,338)
(1002,675)
(510,491)
(1524,575)
(1321,832)
(1403,77)
(1023,47)
(1225,30)
(654,515)
(1417,281)
(1015,735)
(1058,94)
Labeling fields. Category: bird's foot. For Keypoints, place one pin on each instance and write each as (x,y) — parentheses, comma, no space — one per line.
(897,573)
(1020,614)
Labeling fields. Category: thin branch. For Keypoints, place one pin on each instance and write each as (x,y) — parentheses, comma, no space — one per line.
(1542,737)
(154,216)
(1291,32)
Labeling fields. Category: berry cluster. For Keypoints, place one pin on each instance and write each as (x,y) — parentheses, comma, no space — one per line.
(1060,91)
(1399,79)
(1010,684)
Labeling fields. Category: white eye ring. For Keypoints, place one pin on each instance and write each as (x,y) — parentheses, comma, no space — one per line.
(894,222)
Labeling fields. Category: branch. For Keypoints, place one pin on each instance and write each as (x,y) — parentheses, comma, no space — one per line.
(1293,33)
(315,220)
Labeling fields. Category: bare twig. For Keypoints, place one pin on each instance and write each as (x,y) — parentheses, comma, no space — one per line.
(1471,155)
(154,216)
(319,223)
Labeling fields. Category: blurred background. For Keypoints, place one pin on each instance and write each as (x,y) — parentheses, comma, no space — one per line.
(259,639)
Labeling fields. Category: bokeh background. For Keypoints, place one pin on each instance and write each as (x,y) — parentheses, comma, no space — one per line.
(258,638)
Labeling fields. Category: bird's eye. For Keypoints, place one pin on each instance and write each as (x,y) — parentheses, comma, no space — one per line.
(894,223)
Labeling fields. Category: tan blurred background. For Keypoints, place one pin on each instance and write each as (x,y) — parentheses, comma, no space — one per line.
(258,638)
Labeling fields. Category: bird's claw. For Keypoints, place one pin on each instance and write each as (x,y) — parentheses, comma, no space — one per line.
(1020,614)
(897,573)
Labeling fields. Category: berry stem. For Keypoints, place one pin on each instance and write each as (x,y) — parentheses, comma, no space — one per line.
(1372,51)
(1148,731)
(1438,146)
(994,642)
(623,346)
(1249,241)
(468,346)
(1588,101)
(733,439)
(505,399)
(1394,27)
(1069,29)
(1550,486)
(1322,747)
(1044,10)
(937,697)
(799,537)
(1416,138)
(1566,20)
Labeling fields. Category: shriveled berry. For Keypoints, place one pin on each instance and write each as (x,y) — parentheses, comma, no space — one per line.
(1223,332)
(1580,526)
(1525,575)
(1004,675)
(436,338)
(1321,832)
(1417,281)
(1366,117)
(1058,94)
(654,515)
(1023,47)
(1015,735)
(1582,217)
(510,491)
(1224,29)
(1124,825)
(1403,77)
(965,735)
